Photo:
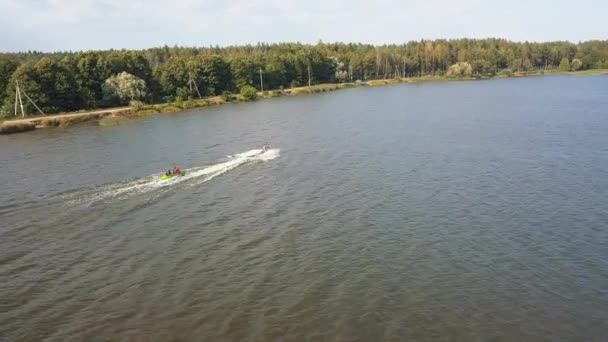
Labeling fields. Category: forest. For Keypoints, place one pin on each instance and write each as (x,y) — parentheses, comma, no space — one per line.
(68,81)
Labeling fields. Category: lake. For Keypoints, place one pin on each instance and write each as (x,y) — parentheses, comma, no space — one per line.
(434,211)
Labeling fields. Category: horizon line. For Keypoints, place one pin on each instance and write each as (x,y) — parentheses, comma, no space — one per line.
(319,42)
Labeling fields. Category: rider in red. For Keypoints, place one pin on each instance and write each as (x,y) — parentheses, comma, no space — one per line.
(178,171)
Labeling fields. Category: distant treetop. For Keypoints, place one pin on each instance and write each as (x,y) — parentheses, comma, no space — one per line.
(74,80)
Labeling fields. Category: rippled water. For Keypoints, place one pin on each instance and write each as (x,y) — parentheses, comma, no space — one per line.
(438,211)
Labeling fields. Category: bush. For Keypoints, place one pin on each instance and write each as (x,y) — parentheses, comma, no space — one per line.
(249,93)
(375,83)
(66,121)
(188,104)
(300,91)
(50,122)
(169,109)
(227,96)
(4,112)
(506,72)
(136,105)
(564,65)
(147,112)
(576,64)
(215,101)
(201,103)
(120,88)
(460,69)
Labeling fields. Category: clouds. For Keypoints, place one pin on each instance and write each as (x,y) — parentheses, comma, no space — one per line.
(101,24)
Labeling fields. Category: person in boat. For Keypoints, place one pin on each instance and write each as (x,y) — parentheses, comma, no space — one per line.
(177,171)
(169,173)
(264,148)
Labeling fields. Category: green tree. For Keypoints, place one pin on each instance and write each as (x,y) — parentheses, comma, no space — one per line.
(91,70)
(341,72)
(49,83)
(244,71)
(564,65)
(214,74)
(65,80)
(7,68)
(275,72)
(122,88)
(249,93)
(576,64)
(460,69)
(210,74)
(482,67)
(172,75)
(134,63)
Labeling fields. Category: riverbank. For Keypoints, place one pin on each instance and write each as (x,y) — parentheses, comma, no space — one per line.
(58,120)
(111,116)
(382,82)
(108,117)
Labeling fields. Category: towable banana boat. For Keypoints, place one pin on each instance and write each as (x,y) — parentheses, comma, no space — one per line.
(166,176)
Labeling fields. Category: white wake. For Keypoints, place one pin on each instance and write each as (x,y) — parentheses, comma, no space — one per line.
(195,175)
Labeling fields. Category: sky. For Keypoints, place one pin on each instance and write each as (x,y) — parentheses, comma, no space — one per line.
(61,25)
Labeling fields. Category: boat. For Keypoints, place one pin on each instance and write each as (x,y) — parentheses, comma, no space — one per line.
(165,176)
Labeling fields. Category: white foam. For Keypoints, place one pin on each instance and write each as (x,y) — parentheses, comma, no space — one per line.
(270,154)
(196,175)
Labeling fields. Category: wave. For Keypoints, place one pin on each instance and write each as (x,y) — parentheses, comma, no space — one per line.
(194,176)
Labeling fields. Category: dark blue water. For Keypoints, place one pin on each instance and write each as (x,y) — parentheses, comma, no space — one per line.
(435,211)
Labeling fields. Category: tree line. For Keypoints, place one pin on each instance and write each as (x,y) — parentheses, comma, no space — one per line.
(66,81)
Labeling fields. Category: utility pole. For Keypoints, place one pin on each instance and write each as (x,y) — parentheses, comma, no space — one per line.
(309,76)
(18,97)
(32,102)
(195,88)
(261,81)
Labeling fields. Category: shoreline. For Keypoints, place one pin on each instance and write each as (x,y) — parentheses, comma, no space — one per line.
(113,116)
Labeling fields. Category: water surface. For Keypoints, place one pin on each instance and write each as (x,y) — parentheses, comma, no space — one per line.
(435,211)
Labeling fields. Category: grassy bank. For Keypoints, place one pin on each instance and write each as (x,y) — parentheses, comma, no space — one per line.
(112,121)
(58,120)
(67,121)
(384,82)
(16,127)
(377,83)
(118,116)
(589,72)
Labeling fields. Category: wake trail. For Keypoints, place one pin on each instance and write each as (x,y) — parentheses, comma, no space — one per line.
(193,176)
